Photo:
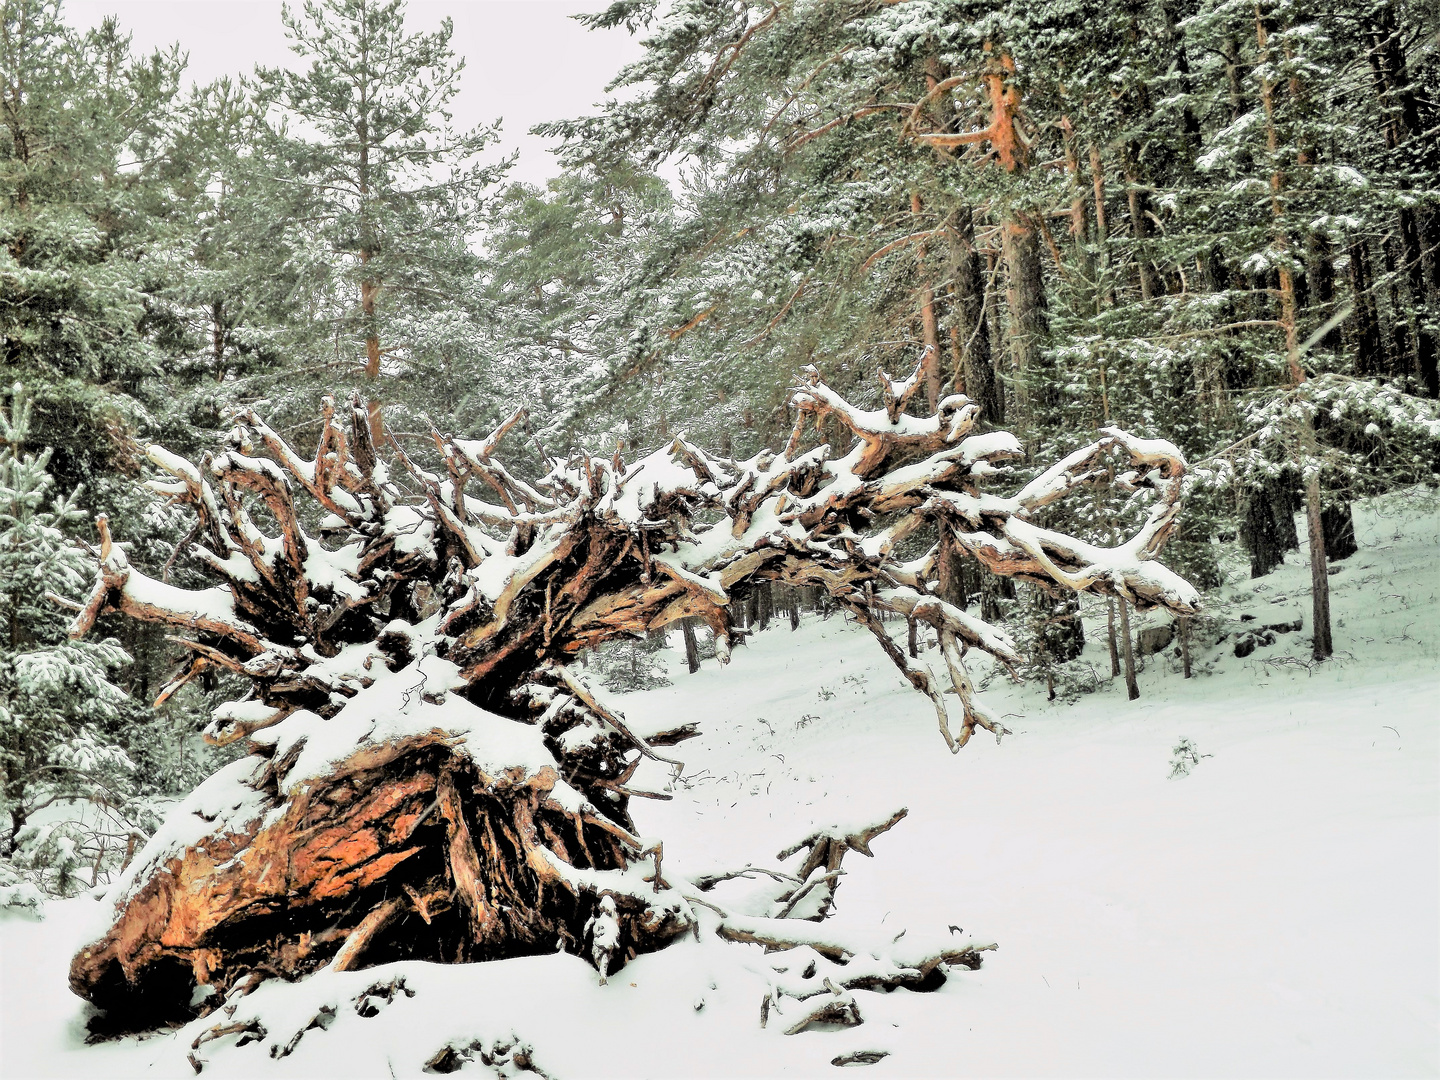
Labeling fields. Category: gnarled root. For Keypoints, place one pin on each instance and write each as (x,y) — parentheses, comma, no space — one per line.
(409,851)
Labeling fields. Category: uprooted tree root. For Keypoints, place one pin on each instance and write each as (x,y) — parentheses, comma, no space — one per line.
(407,851)
(811,972)
(429,775)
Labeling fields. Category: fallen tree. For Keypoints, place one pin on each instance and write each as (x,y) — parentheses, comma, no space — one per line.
(428,774)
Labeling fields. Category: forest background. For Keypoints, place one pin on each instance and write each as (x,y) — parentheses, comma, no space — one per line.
(1211,221)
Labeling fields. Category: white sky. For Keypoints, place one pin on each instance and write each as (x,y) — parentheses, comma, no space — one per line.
(526,60)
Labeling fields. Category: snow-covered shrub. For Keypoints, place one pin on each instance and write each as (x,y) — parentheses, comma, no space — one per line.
(17,895)
(1187,756)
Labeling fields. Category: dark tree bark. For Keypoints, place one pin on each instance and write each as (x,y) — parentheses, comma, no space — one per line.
(1370,357)
(1127,649)
(1339,527)
(692,647)
(1029,314)
(1268,529)
(969,330)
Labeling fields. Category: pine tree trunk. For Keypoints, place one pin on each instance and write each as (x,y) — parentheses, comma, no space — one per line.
(1319,571)
(1404,136)
(1132,688)
(928,325)
(1185,644)
(970,330)
(692,647)
(1110,637)
(1106,296)
(1339,528)
(1370,358)
(1268,526)
(1139,200)
(1320,271)
(1029,321)
(994,590)
(1402,359)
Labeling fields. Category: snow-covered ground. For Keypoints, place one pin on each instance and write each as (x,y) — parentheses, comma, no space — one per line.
(1274,913)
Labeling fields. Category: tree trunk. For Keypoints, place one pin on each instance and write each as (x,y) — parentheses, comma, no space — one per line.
(1139,200)
(1106,295)
(1110,637)
(1319,570)
(1029,320)
(692,647)
(994,590)
(1132,688)
(1370,358)
(1268,526)
(928,324)
(1405,136)
(487,815)
(1402,358)
(1320,271)
(1339,529)
(1063,633)
(970,329)
(1185,644)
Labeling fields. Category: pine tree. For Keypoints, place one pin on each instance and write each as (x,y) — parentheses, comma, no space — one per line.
(59,705)
(85,155)
(362,138)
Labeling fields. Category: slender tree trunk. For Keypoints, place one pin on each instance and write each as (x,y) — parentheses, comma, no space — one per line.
(1139,200)
(1110,637)
(970,330)
(692,647)
(1319,570)
(1235,76)
(1320,271)
(1402,360)
(1405,137)
(217,338)
(1132,688)
(1185,644)
(1106,295)
(928,324)
(1079,226)
(1309,457)
(1370,358)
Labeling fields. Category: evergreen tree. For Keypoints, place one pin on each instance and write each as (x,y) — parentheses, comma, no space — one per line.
(387,191)
(59,708)
(85,161)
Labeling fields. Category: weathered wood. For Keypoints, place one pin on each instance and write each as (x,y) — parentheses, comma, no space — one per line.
(430,842)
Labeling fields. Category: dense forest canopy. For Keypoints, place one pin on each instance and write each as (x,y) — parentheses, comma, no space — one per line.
(1196,220)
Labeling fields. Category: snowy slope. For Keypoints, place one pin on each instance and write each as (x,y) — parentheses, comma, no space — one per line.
(1272,913)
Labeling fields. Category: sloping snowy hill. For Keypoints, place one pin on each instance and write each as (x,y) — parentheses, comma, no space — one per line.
(1271,913)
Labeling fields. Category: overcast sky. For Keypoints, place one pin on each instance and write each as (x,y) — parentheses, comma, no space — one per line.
(526,60)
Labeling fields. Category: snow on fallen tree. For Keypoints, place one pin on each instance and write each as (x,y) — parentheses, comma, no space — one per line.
(430,777)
